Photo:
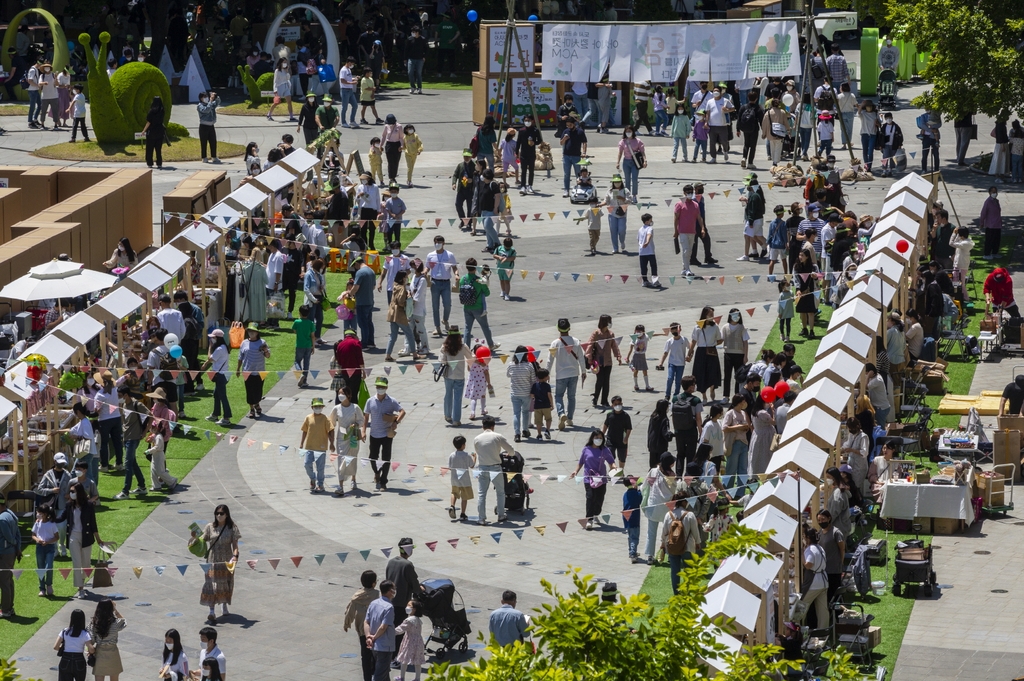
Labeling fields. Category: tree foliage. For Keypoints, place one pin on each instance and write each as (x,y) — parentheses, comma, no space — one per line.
(975,64)
(876,9)
(9,672)
(580,637)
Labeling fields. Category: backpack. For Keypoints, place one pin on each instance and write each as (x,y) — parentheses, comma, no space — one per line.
(676,544)
(474,143)
(467,293)
(811,187)
(684,416)
(817,68)
(827,100)
(742,372)
(748,119)
(192,328)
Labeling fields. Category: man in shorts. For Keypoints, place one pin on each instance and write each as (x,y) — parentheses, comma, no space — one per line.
(753,220)
(778,241)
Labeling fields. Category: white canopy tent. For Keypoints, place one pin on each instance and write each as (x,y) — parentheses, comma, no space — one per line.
(57,279)
(850,339)
(80,329)
(247,198)
(53,349)
(754,576)
(825,394)
(732,601)
(887,242)
(878,264)
(167,258)
(858,313)
(839,366)
(222,216)
(199,236)
(771,519)
(273,179)
(789,495)
(800,453)
(117,304)
(148,277)
(904,202)
(913,182)
(299,161)
(906,226)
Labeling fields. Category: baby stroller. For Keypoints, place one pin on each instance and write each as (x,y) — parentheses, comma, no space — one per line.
(887,89)
(443,605)
(914,565)
(583,193)
(517,494)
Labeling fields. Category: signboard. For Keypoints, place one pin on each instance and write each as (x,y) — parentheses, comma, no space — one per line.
(520,61)
(289,33)
(544,97)
(659,52)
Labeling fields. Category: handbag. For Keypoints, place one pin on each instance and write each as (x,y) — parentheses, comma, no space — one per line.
(440,371)
(779,129)
(236,334)
(275,306)
(60,648)
(197,547)
(101,576)
(709,350)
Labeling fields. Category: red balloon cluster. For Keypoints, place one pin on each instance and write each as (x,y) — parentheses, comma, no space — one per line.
(781,388)
(768,394)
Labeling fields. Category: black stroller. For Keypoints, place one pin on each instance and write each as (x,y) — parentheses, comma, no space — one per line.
(887,89)
(914,565)
(443,605)
(517,494)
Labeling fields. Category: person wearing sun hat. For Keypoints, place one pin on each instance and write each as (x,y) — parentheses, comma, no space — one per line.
(463,182)
(326,116)
(252,359)
(381,417)
(307,119)
(617,201)
(826,132)
(314,443)
(217,362)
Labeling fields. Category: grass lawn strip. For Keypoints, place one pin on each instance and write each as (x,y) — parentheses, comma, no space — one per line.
(118,519)
(892,614)
(181,149)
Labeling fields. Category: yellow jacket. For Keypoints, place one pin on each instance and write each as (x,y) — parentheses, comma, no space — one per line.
(413,145)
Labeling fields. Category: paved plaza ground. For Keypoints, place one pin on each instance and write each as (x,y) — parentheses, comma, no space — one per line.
(287,622)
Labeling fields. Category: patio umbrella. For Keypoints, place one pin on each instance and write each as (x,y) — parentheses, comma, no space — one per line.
(57,279)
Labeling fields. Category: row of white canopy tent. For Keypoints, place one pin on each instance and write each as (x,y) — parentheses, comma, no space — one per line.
(66,343)
(743,589)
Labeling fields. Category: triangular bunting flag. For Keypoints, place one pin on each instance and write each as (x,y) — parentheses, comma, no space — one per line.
(518,534)
(454,543)
(320,558)
(540,529)
(386,552)
(562,526)
(182,568)
(273,562)
(64,572)
(431,545)
(159,569)
(296,560)
(342,556)
(583,522)
(496,536)
(136,570)
(365,553)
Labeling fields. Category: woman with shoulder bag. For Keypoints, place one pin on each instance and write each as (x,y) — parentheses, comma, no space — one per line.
(82,532)
(636,158)
(815,583)
(346,418)
(314,288)
(618,200)
(398,316)
(707,369)
(104,627)
(221,538)
(602,347)
(71,646)
(658,488)
(455,357)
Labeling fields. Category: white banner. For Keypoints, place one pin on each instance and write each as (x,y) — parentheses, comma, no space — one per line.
(639,52)
(543,97)
(518,60)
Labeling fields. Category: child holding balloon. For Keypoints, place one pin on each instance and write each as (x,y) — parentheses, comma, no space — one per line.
(479,382)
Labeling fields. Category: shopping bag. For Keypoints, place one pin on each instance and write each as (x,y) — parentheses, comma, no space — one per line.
(364,394)
(236,334)
(275,306)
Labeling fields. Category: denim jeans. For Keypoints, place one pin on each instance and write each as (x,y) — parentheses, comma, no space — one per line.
(882,416)
(44,561)
(410,341)
(489,231)
(364,317)
(131,466)
(110,440)
(309,458)
(302,358)
(963,141)
(441,294)
(581,105)
(350,323)
(483,482)
(633,539)
(220,396)
(631,175)
(867,147)
(660,120)
(318,320)
(453,398)
(569,163)
(675,564)
(700,146)
(94,467)
(520,413)
(805,140)
(677,143)
(1017,167)
(382,665)
(675,377)
(655,514)
(348,97)
(824,146)
(34,107)
(181,399)
(617,228)
(479,316)
(848,126)
(735,463)
(416,73)
(563,386)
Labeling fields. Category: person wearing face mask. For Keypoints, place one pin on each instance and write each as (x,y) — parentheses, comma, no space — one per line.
(617,200)
(82,532)
(687,224)
(314,443)
(85,437)
(717,109)
(463,183)
(635,159)
(381,417)
(616,429)
(889,56)
(991,220)
(207,108)
(307,119)
(402,573)
(891,137)
(812,224)
(676,348)
(527,141)
(574,147)
(253,162)
(174,659)
(81,475)
(53,490)
(415,53)
(49,97)
(443,268)
(592,462)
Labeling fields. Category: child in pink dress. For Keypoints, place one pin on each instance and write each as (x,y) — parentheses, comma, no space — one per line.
(412,651)
(477,384)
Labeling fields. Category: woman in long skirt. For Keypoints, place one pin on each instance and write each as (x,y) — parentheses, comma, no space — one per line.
(760,451)
(707,368)
(346,418)
(221,537)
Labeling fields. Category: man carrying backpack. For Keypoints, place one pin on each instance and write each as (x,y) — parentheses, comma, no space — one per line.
(686,410)
(825,97)
(194,320)
(748,124)
(680,537)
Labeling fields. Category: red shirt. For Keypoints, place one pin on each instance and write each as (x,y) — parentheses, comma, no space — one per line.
(349,353)
(1002,291)
(686,213)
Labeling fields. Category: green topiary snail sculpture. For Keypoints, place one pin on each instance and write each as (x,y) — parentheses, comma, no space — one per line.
(256,86)
(119,103)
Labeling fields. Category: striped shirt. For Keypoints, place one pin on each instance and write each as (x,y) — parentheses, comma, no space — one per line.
(818,226)
(521,378)
(642,91)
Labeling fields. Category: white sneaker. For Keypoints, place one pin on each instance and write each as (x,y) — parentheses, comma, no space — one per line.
(529,189)
(565,195)
(743,258)
(138,490)
(120,496)
(522,191)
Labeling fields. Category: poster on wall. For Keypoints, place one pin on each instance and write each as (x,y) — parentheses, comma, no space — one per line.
(518,60)
(543,98)
(659,52)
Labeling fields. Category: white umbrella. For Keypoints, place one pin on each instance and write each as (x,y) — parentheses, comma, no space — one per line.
(57,279)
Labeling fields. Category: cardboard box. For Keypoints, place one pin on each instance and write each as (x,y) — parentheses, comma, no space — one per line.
(924,477)
(874,637)
(71,181)
(991,490)
(944,526)
(1006,449)
(40,182)
(935,381)
(925,523)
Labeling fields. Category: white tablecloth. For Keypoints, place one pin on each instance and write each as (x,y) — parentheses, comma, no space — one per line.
(908,501)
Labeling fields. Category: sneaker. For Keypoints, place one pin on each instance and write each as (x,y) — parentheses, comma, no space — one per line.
(762,254)
(518,438)
(743,163)
(565,195)
(120,496)
(104,469)
(568,423)
(224,422)
(345,125)
(216,160)
(292,119)
(529,189)
(463,517)
(547,434)
(562,420)
(589,525)
(451,512)
(379,121)
(743,258)
(138,490)
(522,191)
(269,117)
(49,591)
(211,417)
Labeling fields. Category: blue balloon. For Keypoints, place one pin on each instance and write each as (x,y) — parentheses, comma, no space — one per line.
(71,45)
(472,15)
(176,351)
(533,17)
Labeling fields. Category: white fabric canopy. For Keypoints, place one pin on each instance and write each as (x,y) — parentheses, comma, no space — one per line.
(200,235)
(273,179)
(80,328)
(850,338)
(299,161)
(768,519)
(799,451)
(222,216)
(743,570)
(907,202)
(116,304)
(792,494)
(57,279)
(149,277)
(844,368)
(887,242)
(827,393)
(856,312)
(881,265)
(904,225)
(732,600)
(912,182)
(6,407)
(168,258)
(52,348)
(246,198)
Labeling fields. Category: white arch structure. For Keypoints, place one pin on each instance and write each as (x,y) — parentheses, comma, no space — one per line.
(333,58)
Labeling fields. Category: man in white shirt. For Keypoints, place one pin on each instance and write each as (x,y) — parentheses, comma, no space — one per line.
(170,318)
(488,446)
(443,267)
(348,92)
(318,238)
(718,108)
(570,363)
(208,638)
(393,264)
(700,97)
(676,348)
(33,96)
(275,271)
